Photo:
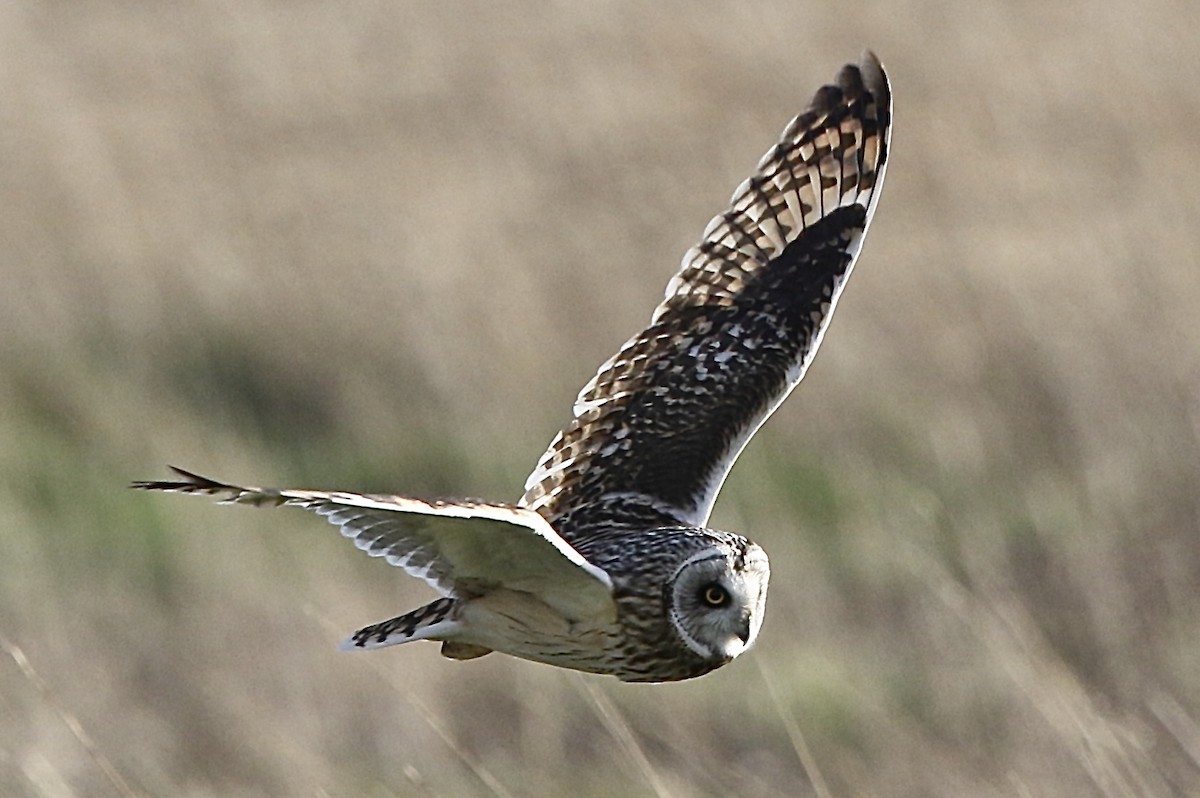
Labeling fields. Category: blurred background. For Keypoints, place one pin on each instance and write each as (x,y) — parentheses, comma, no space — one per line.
(380,246)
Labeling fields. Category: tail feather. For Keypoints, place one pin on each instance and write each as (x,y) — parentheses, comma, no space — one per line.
(434,621)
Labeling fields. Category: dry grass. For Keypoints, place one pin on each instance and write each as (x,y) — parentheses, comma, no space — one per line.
(380,246)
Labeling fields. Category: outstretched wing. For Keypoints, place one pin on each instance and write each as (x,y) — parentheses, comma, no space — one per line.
(662,422)
(460,548)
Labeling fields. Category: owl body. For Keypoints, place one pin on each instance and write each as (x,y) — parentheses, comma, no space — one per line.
(606,563)
(686,600)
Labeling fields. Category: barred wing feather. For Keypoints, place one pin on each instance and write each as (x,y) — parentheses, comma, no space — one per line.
(461,548)
(663,420)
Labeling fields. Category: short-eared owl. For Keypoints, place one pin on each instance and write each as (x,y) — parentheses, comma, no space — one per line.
(605,564)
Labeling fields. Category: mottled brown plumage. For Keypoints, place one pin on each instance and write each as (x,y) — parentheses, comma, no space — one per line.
(606,565)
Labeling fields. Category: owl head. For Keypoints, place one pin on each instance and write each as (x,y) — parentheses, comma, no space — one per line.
(716,598)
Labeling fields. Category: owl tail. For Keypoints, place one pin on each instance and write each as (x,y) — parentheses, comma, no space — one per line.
(434,621)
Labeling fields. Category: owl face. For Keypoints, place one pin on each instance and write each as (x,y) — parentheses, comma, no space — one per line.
(717,598)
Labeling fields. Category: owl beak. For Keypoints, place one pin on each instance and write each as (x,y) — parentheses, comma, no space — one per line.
(743,631)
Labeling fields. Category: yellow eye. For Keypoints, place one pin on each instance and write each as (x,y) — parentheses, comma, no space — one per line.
(715,596)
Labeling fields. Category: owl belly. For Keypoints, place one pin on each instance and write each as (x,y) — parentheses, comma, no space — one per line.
(520,624)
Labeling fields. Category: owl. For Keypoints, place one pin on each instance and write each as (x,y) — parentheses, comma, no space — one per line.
(605,564)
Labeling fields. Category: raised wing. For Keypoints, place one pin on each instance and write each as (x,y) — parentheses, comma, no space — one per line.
(662,422)
(460,548)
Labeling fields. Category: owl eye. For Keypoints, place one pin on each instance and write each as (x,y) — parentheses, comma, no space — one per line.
(715,596)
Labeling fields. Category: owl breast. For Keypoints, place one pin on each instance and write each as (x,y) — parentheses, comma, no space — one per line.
(648,648)
(518,623)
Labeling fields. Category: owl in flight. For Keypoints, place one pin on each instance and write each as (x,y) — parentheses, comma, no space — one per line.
(605,564)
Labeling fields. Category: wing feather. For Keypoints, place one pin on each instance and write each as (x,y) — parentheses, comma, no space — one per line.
(664,419)
(461,548)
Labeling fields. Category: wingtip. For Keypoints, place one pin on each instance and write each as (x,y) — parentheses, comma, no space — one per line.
(874,76)
(187,480)
(349,644)
(853,80)
(151,484)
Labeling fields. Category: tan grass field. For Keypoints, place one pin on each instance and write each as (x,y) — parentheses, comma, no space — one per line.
(380,246)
